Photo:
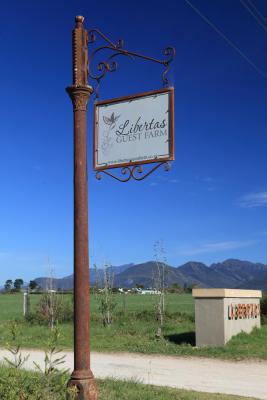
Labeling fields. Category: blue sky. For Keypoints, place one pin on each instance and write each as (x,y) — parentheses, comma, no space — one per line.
(212,205)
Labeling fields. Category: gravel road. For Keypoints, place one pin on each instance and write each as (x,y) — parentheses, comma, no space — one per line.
(244,378)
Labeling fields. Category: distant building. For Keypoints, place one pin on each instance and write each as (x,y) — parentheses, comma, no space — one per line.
(147,291)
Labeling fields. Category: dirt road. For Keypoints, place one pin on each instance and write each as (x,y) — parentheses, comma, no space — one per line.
(244,378)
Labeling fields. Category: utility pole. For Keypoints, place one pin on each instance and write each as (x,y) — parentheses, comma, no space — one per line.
(82,377)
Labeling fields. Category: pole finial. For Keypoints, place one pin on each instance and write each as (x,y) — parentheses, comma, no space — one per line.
(79,19)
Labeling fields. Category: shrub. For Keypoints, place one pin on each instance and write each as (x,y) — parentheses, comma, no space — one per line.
(105,296)
(49,384)
(264,309)
(23,385)
(52,307)
(264,305)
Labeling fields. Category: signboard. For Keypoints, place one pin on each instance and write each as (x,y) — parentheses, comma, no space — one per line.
(134,130)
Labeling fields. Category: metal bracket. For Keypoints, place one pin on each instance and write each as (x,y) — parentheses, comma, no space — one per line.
(109,65)
(131,172)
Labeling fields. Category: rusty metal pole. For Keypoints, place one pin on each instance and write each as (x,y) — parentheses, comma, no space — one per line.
(82,376)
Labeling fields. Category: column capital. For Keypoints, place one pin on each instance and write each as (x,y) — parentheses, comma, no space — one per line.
(79,96)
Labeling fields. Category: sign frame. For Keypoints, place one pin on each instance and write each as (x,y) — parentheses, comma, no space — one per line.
(170,91)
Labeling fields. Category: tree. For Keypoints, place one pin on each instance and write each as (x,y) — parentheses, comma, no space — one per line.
(175,288)
(33,285)
(105,296)
(139,286)
(17,284)
(160,277)
(8,285)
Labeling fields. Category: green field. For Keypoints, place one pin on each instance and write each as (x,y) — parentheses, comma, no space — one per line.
(11,305)
(133,329)
(15,384)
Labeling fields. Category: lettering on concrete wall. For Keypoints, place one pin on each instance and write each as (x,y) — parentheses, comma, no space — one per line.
(243,311)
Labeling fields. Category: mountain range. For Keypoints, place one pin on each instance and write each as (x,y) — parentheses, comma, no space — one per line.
(231,273)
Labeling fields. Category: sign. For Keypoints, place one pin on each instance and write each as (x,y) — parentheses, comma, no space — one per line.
(134,130)
(242,311)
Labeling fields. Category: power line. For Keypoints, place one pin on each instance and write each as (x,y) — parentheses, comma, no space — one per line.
(253,15)
(257,11)
(220,33)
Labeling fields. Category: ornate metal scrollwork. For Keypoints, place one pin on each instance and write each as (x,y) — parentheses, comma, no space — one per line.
(117,49)
(135,172)
(97,71)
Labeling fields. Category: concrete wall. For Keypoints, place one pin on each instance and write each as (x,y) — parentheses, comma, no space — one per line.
(221,314)
(209,322)
(234,326)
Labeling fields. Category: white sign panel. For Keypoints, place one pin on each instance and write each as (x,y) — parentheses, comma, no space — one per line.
(134,130)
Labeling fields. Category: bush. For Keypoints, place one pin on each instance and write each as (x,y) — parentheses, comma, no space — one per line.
(22,385)
(264,309)
(50,383)
(52,307)
(264,306)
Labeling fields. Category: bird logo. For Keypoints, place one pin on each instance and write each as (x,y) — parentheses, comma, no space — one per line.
(111,121)
(107,140)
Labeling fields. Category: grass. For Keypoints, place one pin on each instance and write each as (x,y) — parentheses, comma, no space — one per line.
(15,382)
(11,305)
(113,390)
(135,331)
